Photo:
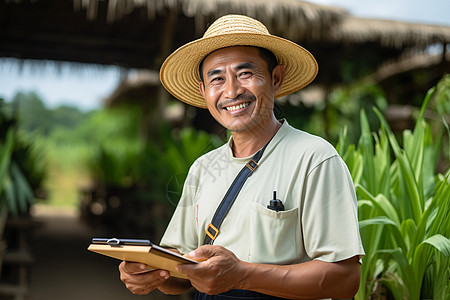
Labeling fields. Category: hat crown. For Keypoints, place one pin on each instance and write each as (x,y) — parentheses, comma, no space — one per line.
(180,71)
(232,24)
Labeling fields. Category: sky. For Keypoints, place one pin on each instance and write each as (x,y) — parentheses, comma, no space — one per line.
(433,12)
(85,88)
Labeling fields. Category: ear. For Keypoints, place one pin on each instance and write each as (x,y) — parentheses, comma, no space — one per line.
(278,74)
(201,88)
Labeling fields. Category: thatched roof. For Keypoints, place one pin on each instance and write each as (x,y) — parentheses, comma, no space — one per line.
(409,63)
(141,33)
(294,18)
(389,33)
(407,79)
(134,88)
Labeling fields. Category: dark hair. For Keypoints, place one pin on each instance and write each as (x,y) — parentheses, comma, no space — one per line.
(265,54)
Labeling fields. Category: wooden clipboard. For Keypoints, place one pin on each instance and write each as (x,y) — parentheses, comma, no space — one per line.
(143,251)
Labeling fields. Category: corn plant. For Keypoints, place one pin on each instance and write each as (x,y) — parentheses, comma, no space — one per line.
(403,210)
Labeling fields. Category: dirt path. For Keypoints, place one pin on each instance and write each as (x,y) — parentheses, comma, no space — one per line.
(65,270)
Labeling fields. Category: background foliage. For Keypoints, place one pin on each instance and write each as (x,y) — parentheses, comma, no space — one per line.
(401,178)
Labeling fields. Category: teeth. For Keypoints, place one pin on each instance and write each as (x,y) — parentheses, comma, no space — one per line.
(236,107)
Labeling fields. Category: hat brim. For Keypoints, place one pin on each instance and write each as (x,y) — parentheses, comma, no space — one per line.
(180,76)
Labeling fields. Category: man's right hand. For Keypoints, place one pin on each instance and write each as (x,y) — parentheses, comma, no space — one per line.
(139,280)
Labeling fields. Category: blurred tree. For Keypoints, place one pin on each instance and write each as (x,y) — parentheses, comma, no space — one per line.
(67,116)
(34,117)
(31,112)
(327,117)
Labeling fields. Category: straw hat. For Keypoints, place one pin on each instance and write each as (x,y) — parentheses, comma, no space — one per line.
(180,71)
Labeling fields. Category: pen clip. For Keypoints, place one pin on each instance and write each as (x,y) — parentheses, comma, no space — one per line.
(113,242)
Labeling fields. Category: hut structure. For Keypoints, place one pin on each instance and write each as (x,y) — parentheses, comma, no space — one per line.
(139,34)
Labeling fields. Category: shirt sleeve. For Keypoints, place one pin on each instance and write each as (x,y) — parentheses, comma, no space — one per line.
(181,233)
(329,218)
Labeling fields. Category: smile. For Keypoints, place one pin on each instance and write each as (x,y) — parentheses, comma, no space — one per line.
(236,107)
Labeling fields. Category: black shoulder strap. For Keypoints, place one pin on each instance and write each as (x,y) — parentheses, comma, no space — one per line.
(213,228)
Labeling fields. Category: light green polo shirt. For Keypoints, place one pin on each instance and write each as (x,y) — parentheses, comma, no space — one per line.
(320,217)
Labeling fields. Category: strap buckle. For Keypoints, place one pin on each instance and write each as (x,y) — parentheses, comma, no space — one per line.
(252,165)
(215,231)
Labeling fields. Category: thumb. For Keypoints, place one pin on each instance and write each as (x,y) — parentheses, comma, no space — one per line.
(202,253)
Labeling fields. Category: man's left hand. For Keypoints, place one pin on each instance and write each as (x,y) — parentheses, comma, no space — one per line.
(220,272)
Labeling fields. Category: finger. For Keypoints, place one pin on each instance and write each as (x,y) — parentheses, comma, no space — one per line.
(202,252)
(132,267)
(142,287)
(144,283)
(174,250)
(155,276)
(187,269)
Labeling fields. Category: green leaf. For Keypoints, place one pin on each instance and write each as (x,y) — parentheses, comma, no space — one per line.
(440,242)
(376,221)
(409,229)
(24,193)
(381,203)
(396,238)
(365,147)
(5,158)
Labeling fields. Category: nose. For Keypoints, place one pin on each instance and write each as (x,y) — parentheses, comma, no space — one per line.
(232,87)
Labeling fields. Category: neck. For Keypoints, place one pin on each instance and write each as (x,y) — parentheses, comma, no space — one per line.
(246,143)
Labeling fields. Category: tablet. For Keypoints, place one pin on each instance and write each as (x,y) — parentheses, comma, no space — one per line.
(143,251)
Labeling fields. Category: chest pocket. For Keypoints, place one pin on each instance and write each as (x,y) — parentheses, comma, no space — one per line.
(274,236)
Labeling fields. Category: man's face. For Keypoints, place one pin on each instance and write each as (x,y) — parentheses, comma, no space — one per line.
(238,88)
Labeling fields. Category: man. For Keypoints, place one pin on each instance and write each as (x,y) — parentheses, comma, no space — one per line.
(308,250)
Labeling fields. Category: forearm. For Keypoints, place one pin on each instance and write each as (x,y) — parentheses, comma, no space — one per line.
(223,271)
(310,280)
(175,286)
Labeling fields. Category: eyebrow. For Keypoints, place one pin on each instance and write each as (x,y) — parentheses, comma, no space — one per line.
(244,65)
(213,72)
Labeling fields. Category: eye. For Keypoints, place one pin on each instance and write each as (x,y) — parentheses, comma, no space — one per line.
(245,74)
(216,80)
